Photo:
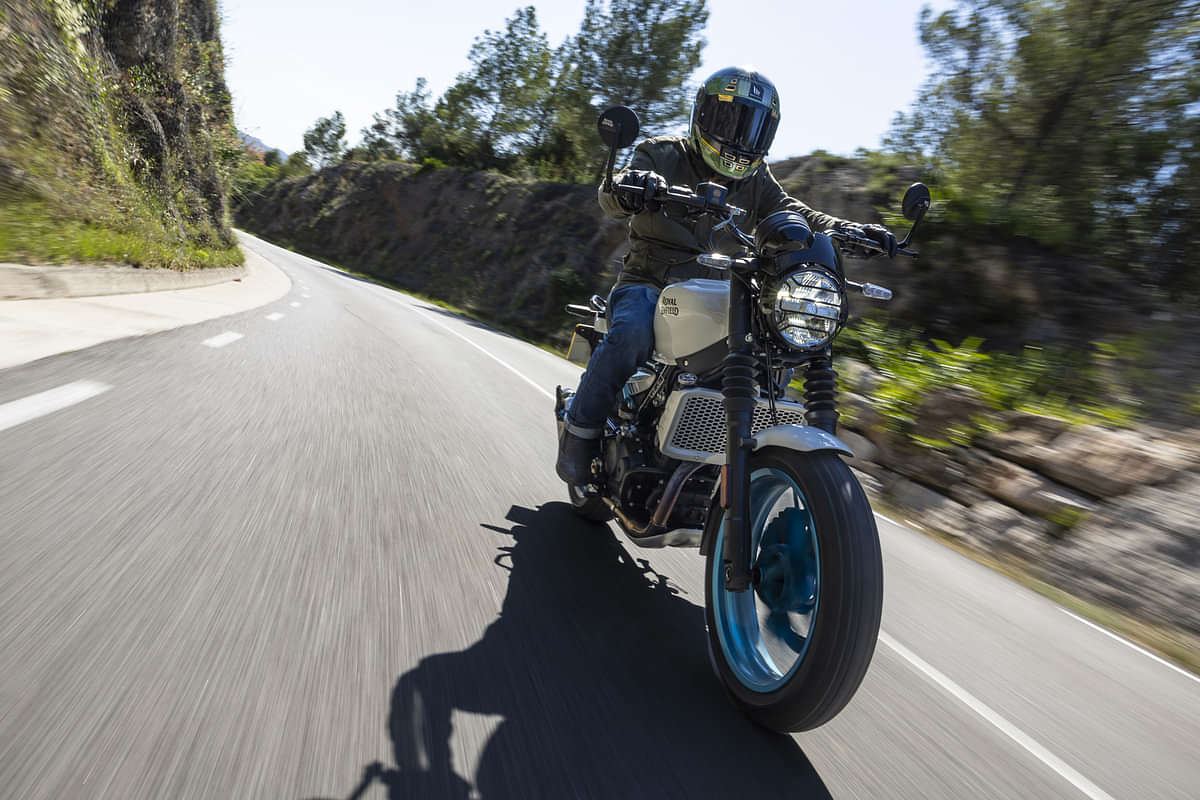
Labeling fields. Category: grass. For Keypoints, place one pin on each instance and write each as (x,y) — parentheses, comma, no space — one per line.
(33,232)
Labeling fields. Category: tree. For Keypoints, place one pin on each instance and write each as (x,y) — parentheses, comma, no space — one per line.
(1071,120)
(271,158)
(638,53)
(325,141)
(524,107)
(508,86)
(296,164)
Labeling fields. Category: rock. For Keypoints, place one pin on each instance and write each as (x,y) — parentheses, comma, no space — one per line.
(1026,433)
(857,377)
(1026,490)
(945,407)
(870,484)
(857,411)
(933,467)
(931,509)
(1107,463)
(1139,553)
(999,529)
(967,494)
(865,452)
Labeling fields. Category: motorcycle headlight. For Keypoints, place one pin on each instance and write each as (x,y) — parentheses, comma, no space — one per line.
(806,308)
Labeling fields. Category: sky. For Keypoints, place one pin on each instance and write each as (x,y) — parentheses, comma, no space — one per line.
(843,69)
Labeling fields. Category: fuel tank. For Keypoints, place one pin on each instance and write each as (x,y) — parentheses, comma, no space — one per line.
(691,315)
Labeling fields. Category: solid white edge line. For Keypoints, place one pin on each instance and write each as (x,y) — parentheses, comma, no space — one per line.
(1130,644)
(492,356)
(1000,723)
(39,405)
(222,339)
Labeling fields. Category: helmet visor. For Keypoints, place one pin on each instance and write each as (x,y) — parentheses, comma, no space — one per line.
(739,124)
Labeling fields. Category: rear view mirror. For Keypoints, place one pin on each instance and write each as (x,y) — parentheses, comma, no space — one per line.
(618,127)
(916,201)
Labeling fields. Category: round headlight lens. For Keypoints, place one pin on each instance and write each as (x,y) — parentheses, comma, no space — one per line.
(806,308)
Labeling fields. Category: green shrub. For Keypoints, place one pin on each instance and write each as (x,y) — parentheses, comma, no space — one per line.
(1055,382)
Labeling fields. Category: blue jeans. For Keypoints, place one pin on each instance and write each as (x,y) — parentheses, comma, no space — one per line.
(628,344)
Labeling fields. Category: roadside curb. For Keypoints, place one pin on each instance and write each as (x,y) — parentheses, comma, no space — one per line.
(38,328)
(22,282)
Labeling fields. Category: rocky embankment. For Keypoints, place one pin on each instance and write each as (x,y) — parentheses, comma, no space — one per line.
(116,135)
(1108,515)
(514,252)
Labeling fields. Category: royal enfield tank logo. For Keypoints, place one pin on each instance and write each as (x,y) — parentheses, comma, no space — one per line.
(667,307)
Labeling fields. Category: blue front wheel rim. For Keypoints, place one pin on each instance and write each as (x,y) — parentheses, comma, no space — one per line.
(765,632)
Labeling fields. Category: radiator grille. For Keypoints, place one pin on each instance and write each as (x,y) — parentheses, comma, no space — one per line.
(700,425)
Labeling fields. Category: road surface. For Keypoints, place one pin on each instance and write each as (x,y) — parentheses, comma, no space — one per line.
(317,550)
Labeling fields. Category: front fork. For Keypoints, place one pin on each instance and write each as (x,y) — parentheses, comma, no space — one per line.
(740,390)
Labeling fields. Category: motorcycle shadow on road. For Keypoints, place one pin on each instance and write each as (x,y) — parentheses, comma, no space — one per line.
(599,667)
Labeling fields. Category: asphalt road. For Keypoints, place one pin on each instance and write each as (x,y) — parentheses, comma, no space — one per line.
(330,558)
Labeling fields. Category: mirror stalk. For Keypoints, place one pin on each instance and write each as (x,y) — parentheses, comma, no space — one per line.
(920,216)
(612,161)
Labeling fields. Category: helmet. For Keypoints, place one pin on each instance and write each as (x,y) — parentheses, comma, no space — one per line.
(734,120)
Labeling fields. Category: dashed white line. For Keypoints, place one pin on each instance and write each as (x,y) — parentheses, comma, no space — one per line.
(275,317)
(1128,643)
(47,402)
(1026,741)
(222,339)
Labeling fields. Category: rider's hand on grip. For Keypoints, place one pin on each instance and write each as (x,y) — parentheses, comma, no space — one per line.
(649,184)
(882,237)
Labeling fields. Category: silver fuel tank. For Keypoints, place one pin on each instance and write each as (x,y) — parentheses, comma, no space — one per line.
(691,315)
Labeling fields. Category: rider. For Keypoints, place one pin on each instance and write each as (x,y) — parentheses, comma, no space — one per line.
(734,118)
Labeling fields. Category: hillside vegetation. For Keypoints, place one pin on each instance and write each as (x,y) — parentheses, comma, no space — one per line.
(116,136)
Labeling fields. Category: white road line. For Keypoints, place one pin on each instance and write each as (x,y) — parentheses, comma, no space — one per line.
(1000,723)
(222,339)
(492,356)
(275,317)
(294,304)
(1128,643)
(47,402)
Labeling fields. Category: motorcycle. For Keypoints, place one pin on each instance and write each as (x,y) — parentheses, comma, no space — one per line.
(703,449)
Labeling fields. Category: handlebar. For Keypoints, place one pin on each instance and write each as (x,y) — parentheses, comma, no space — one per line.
(713,202)
(684,196)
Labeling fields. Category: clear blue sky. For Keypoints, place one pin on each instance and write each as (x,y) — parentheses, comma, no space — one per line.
(291,62)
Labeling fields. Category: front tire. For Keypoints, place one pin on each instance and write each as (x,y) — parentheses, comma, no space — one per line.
(793,650)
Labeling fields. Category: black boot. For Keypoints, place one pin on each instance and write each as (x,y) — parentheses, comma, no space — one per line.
(575,456)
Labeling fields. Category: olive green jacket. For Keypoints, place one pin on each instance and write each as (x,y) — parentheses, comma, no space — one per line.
(663,249)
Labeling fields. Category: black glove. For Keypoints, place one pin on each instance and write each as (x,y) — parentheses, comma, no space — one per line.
(649,182)
(882,237)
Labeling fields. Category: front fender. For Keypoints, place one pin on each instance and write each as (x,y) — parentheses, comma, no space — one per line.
(803,438)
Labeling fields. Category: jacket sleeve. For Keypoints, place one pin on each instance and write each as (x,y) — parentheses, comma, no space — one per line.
(772,198)
(641,160)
